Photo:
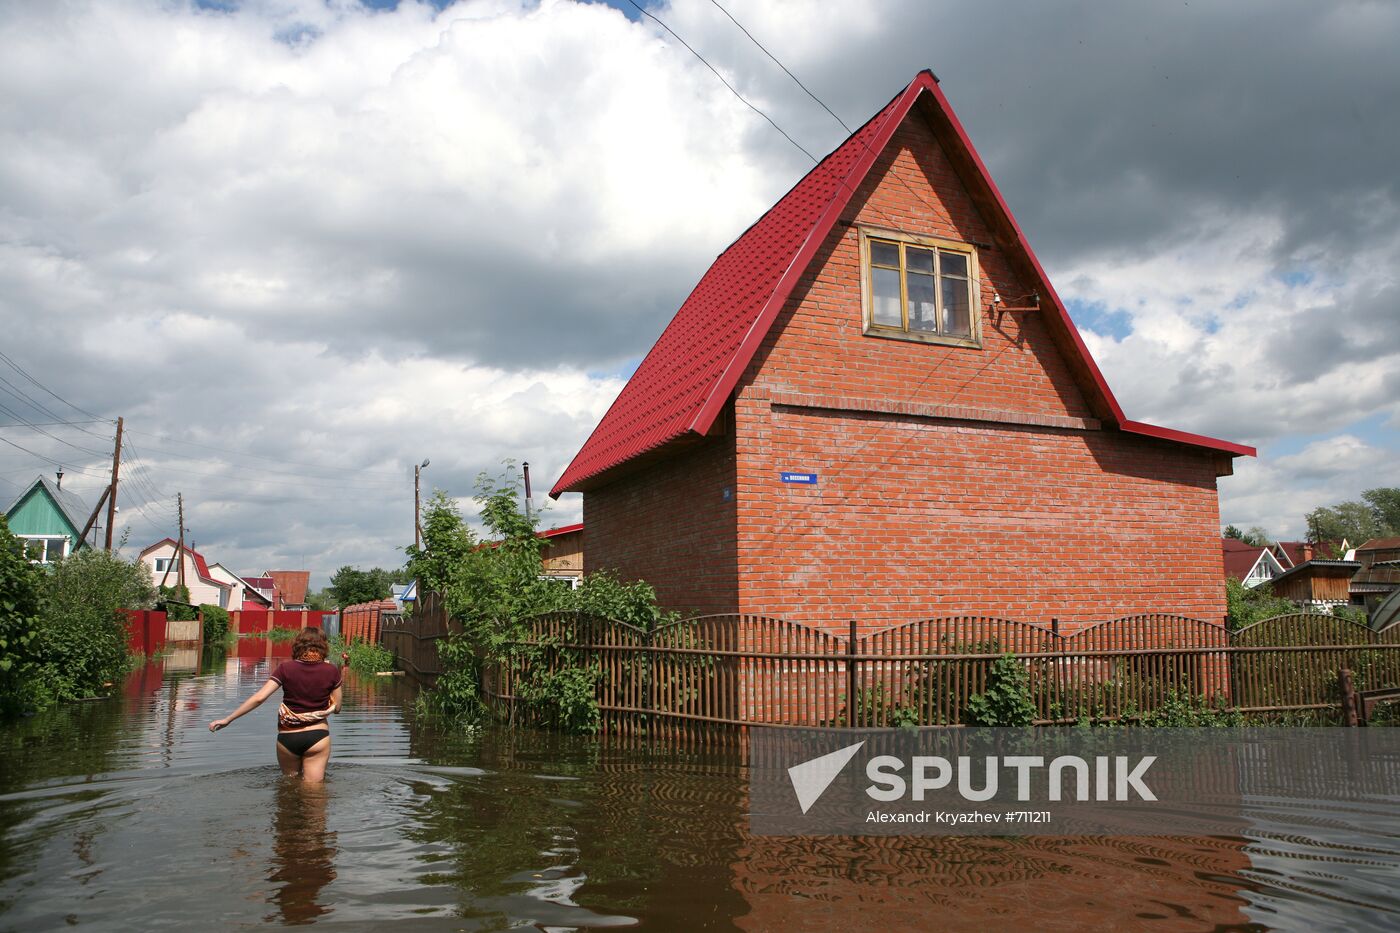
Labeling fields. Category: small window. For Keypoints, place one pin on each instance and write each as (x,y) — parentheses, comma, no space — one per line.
(920,288)
(162,564)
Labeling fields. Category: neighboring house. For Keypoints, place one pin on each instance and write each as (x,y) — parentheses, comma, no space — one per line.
(204,586)
(49,519)
(1292,553)
(291,587)
(1379,573)
(1317,584)
(404,595)
(1250,564)
(876,379)
(241,592)
(260,593)
(563,554)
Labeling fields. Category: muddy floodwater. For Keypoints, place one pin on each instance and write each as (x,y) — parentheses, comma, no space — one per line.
(128,814)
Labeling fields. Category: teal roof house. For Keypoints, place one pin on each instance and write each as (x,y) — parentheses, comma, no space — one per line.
(49,519)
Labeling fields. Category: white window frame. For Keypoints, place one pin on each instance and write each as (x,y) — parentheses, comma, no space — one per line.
(44,552)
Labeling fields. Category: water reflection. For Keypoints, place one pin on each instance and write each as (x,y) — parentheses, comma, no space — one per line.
(129,809)
(303,851)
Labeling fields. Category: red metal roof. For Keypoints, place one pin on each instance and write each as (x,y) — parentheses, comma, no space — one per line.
(291,584)
(682,385)
(1239,557)
(561,530)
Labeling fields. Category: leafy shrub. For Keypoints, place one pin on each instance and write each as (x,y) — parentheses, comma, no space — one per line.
(21,584)
(82,634)
(369,659)
(1187,710)
(178,608)
(1247,605)
(1007,700)
(493,589)
(1355,614)
(215,624)
(278,635)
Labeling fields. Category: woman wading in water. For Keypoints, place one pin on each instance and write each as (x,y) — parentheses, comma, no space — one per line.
(310,693)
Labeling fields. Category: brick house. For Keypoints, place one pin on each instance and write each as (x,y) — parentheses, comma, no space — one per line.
(874,406)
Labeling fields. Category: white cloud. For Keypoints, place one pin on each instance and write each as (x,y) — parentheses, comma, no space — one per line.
(349,239)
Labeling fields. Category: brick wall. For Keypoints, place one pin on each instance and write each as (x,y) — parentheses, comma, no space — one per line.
(951,479)
(672,525)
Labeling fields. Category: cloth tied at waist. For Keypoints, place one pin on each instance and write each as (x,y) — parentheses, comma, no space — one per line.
(289,719)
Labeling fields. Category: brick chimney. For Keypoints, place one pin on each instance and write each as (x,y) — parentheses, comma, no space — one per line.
(1307,551)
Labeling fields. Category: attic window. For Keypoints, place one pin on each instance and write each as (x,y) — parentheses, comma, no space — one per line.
(920,288)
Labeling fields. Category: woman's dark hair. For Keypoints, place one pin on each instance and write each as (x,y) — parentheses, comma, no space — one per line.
(308,640)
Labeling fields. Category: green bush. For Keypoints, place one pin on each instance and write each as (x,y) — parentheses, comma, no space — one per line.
(1247,605)
(178,609)
(369,659)
(215,624)
(82,634)
(21,585)
(1007,700)
(1186,710)
(278,635)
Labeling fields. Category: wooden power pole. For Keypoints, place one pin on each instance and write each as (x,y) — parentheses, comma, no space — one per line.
(179,558)
(180,545)
(116,473)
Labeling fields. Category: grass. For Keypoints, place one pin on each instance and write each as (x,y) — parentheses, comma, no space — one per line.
(276,634)
(364,657)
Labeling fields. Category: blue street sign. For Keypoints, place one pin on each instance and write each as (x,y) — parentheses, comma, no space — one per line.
(806,479)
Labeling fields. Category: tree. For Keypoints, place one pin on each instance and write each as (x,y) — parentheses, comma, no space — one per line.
(20,587)
(321,601)
(350,585)
(1385,509)
(1256,536)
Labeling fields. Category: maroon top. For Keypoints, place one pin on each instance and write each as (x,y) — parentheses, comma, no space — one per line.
(306,685)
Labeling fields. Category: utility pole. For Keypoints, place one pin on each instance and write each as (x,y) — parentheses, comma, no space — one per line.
(179,557)
(417,506)
(116,472)
(180,545)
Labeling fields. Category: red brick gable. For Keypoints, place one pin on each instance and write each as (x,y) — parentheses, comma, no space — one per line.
(684,383)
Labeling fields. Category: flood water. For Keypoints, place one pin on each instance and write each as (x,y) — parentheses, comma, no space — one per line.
(129,814)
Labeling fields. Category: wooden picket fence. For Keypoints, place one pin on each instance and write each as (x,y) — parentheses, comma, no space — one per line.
(739,670)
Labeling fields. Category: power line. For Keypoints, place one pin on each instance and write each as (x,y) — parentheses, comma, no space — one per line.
(23,422)
(16,367)
(765,51)
(397,477)
(732,89)
(56,463)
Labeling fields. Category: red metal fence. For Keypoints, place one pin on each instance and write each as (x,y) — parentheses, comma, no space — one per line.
(737,670)
(145,631)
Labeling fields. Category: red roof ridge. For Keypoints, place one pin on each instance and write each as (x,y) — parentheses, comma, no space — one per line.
(677,391)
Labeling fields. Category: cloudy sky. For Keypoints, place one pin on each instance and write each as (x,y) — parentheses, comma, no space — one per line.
(301,245)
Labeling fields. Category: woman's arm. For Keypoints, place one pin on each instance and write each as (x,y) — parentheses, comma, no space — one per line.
(335,700)
(250,704)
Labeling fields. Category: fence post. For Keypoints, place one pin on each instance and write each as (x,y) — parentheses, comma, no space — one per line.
(851,676)
(646,684)
(1350,715)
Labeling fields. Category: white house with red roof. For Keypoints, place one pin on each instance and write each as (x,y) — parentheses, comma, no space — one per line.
(205,587)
